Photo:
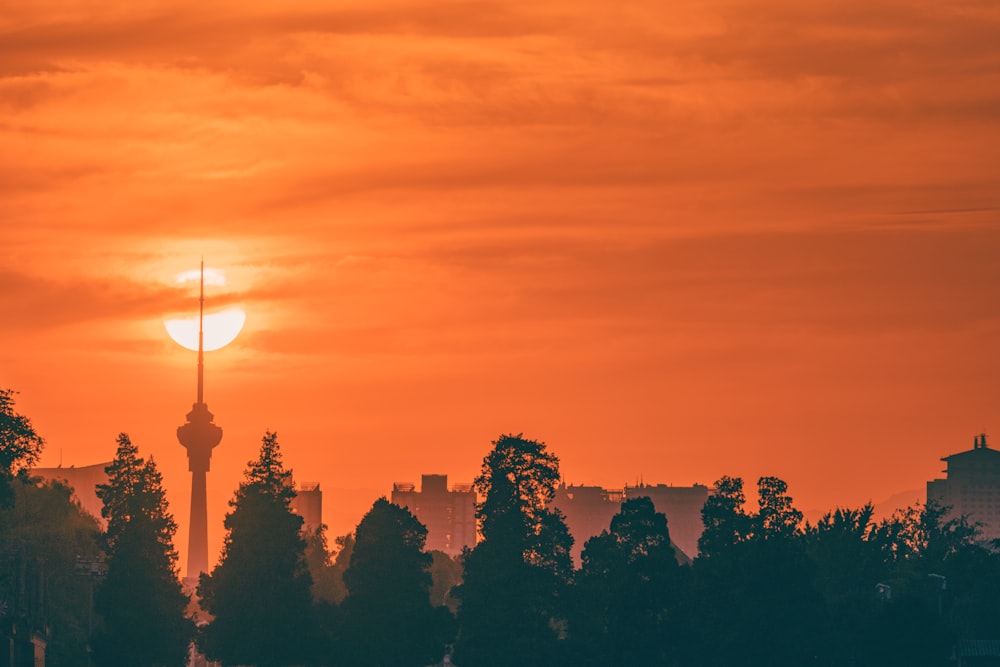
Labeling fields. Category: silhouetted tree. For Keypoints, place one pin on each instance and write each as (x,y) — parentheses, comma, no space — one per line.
(341,561)
(446,573)
(776,517)
(757,564)
(848,564)
(20,445)
(327,566)
(329,591)
(512,593)
(387,615)
(42,532)
(725,521)
(923,550)
(882,603)
(41,536)
(259,594)
(325,587)
(973,589)
(140,600)
(627,591)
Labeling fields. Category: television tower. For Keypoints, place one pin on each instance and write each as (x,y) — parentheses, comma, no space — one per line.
(199,436)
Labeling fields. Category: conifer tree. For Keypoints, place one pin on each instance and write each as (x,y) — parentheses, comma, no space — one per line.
(512,593)
(140,601)
(259,594)
(388,617)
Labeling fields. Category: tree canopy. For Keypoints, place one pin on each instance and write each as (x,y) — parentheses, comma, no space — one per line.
(513,590)
(140,601)
(259,593)
(628,591)
(20,445)
(388,617)
(41,537)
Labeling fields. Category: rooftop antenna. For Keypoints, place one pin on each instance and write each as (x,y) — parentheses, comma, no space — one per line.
(201,336)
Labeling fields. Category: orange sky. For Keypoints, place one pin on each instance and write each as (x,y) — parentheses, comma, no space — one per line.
(675,240)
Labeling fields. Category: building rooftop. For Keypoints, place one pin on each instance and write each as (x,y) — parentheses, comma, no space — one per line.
(979,448)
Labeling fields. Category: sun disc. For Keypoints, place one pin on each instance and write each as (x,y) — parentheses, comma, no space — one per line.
(221,329)
(212,276)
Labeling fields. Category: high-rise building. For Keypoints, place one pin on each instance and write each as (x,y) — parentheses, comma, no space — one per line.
(200,436)
(971,487)
(450,515)
(308,503)
(589,509)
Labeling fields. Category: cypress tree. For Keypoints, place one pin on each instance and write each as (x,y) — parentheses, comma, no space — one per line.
(259,594)
(140,602)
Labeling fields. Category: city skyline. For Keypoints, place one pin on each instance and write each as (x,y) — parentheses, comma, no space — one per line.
(673,242)
(350,512)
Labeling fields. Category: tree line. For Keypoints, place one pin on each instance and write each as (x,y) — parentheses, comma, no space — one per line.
(766,588)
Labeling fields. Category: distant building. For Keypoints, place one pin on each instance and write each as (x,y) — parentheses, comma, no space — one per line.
(682,505)
(83,481)
(971,487)
(450,515)
(308,503)
(589,509)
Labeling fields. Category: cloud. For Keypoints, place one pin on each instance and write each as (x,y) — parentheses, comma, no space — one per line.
(35,303)
(415,131)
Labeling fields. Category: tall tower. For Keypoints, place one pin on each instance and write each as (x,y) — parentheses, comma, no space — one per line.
(199,436)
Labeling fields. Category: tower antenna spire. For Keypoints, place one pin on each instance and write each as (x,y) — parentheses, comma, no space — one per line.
(201,336)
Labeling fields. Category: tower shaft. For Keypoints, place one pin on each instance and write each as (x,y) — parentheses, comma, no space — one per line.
(198,537)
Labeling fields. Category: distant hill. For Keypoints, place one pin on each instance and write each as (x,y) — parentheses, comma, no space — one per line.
(885,508)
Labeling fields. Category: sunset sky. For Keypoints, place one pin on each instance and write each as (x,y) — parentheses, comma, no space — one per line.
(673,240)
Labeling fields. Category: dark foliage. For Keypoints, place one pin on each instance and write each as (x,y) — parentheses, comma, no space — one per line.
(41,537)
(328,585)
(756,600)
(20,446)
(627,592)
(140,602)
(446,573)
(388,619)
(259,594)
(515,581)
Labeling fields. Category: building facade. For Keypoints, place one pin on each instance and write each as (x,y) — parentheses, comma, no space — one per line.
(682,505)
(971,487)
(308,503)
(589,509)
(448,514)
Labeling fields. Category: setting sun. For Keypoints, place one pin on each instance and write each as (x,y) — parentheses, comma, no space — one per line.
(221,329)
